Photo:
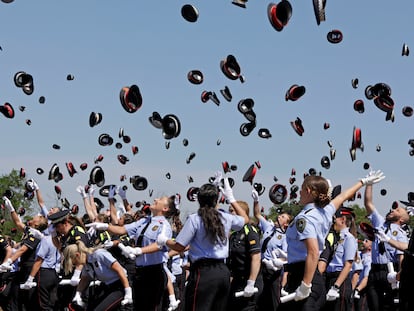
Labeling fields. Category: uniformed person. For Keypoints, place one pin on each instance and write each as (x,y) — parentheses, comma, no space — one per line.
(273,241)
(150,278)
(338,272)
(98,264)
(380,293)
(363,268)
(6,275)
(207,232)
(306,237)
(244,264)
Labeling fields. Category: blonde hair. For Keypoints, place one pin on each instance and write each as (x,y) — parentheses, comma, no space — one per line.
(319,188)
(244,206)
(69,253)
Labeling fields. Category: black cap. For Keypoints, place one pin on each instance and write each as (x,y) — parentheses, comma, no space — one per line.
(7,110)
(278,194)
(297,126)
(139,182)
(334,36)
(407,111)
(171,126)
(156,120)
(105,140)
(122,159)
(344,211)
(405,50)
(367,230)
(192,193)
(325,162)
(104,191)
(247,128)
(131,98)
(195,76)
(259,188)
(359,106)
(189,13)
(226,93)
(95,118)
(230,67)
(54,172)
(59,216)
(250,174)
(97,176)
(134,150)
(295,92)
(279,14)
(264,133)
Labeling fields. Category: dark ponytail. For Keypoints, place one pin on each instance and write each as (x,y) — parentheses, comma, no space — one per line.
(207,198)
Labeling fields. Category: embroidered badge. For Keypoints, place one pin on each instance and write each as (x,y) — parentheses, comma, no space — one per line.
(394,233)
(300,225)
(252,242)
(279,237)
(155,228)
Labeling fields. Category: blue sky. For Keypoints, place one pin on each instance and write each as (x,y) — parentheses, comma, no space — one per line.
(110,44)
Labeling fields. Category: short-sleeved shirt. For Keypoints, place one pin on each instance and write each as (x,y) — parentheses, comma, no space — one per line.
(243,244)
(156,225)
(3,248)
(201,245)
(311,222)
(49,253)
(28,258)
(277,238)
(76,233)
(345,251)
(394,231)
(99,266)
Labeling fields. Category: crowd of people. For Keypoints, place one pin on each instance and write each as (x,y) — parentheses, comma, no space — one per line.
(120,259)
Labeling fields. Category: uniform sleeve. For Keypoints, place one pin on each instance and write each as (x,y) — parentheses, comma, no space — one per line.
(43,249)
(376,219)
(264,224)
(237,222)
(30,241)
(187,232)
(305,229)
(253,239)
(350,249)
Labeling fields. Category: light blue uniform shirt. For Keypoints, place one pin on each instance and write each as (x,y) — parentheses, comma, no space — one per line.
(150,236)
(195,235)
(99,265)
(366,263)
(394,231)
(278,240)
(345,251)
(312,222)
(49,253)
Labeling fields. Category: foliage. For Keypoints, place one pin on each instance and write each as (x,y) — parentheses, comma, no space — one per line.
(16,185)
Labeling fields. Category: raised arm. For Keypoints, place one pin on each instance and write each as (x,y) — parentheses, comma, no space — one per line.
(368,202)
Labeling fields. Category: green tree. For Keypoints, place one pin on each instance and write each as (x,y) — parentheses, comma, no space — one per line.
(15,185)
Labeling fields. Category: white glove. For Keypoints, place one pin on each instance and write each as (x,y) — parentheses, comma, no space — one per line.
(303,291)
(332,294)
(278,263)
(8,204)
(122,193)
(78,300)
(173,303)
(108,244)
(269,264)
(91,190)
(395,285)
(127,297)
(255,196)
(227,191)
(91,232)
(177,200)
(217,179)
(29,284)
(36,233)
(372,178)
(277,252)
(356,294)
(98,225)
(392,277)
(382,236)
(75,279)
(82,192)
(32,184)
(283,292)
(162,240)
(249,290)
(126,252)
(6,266)
(137,251)
(112,192)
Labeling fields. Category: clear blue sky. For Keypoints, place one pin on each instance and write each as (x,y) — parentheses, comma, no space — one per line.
(110,44)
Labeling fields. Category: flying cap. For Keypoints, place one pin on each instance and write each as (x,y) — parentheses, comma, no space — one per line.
(295,92)
(319,10)
(189,13)
(105,140)
(70,77)
(297,126)
(126,139)
(122,159)
(247,128)
(405,50)
(240,3)
(7,110)
(325,162)
(259,188)
(326,125)
(245,105)
(367,230)
(279,14)
(104,190)
(334,36)
(250,173)
(171,126)
(83,166)
(39,171)
(22,173)
(156,120)
(230,67)
(359,106)
(134,150)
(264,133)
(195,76)
(59,216)
(95,118)
(226,93)
(138,182)
(410,199)
(54,172)
(131,98)
(354,83)
(277,194)
(192,193)
(345,211)
(97,176)
(407,111)
(98,204)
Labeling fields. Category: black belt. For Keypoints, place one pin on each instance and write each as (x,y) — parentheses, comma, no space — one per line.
(379,267)
(207,262)
(297,266)
(157,266)
(48,269)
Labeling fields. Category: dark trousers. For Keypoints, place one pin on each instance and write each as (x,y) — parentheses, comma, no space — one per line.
(24,299)
(208,286)
(269,299)
(238,284)
(379,292)
(344,302)
(361,304)
(295,277)
(107,297)
(150,283)
(6,293)
(47,284)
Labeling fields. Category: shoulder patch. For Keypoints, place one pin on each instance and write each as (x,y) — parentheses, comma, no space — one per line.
(155,228)
(394,233)
(301,224)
